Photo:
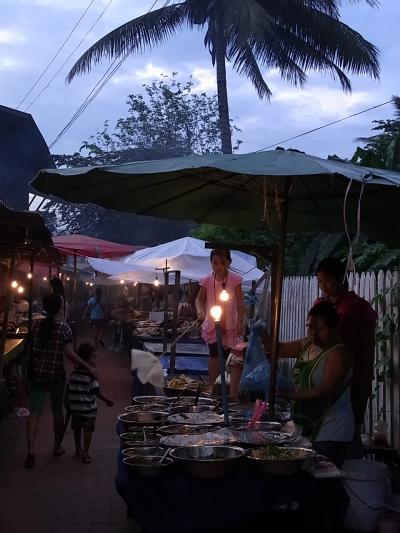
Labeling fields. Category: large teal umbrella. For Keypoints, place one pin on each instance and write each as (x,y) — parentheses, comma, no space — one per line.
(244,190)
(281,190)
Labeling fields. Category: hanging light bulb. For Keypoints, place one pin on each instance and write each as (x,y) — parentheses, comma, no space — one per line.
(20,290)
(216,312)
(14,284)
(68,279)
(156,282)
(44,278)
(29,275)
(122,281)
(224,294)
(91,284)
(135,284)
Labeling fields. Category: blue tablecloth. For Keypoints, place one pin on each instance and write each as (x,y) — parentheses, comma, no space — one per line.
(187,365)
(176,503)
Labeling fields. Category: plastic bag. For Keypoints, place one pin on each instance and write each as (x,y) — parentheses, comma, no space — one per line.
(148,367)
(255,379)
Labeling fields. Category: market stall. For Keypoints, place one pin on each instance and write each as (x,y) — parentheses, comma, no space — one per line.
(23,238)
(219,486)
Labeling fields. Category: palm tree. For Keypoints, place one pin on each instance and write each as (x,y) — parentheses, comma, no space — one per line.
(293,36)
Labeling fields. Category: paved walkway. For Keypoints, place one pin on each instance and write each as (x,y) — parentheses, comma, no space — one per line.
(62,495)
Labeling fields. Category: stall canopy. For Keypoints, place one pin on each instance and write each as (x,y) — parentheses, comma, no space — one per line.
(188,255)
(91,247)
(241,190)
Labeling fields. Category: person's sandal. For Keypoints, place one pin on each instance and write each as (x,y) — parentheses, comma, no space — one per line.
(29,461)
(86,459)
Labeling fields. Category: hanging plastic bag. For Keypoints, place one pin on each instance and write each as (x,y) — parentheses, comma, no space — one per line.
(255,380)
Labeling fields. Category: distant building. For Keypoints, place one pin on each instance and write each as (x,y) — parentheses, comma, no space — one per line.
(23,152)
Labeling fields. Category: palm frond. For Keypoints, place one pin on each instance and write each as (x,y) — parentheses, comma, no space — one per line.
(136,35)
(245,63)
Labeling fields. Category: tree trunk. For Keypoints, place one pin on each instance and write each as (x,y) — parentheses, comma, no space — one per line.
(223,108)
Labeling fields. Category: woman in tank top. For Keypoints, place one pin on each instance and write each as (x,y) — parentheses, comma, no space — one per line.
(321,375)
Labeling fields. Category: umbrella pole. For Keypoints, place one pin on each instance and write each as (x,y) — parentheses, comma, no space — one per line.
(175,322)
(165,330)
(277,296)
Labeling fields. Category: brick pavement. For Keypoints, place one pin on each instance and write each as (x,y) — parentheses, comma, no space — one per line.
(63,495)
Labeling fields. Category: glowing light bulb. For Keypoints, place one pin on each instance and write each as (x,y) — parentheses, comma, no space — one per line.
(91,284)
(156,282)
(14,284)
(216,312)
(29,275)
(122,281)
(20,290)
(45,278)
(224,295)
(135,284)
(68,279)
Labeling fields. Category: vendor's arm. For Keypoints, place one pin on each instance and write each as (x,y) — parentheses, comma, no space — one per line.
(201,303)
(337,366)
(70,354)
(239,309)
(285,349)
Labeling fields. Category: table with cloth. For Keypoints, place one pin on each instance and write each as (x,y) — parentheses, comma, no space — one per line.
(176,503)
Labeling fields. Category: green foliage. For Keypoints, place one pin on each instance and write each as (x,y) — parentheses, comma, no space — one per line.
(170,119)
(383,149)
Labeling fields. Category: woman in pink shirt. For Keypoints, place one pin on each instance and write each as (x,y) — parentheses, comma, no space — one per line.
(232,310)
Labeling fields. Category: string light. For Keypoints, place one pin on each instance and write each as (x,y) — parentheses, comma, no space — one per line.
(29,275)
(156,282)
(45,278)
(14,284)
(68,279)
(20,290)
(122,281)
(216,312)
(224,294)
(135,284)
(91,284)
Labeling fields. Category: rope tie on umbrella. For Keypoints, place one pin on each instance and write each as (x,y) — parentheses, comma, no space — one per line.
(350,266)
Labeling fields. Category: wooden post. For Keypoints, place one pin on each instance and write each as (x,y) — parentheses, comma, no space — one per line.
(277,296)
(11,274)
(30,288)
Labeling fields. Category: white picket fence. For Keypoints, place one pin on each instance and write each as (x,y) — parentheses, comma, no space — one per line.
(299,295)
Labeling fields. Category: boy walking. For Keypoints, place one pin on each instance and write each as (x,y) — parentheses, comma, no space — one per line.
(83,390)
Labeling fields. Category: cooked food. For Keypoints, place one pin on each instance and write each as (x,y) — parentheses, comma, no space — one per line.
(274,453)
(183,382)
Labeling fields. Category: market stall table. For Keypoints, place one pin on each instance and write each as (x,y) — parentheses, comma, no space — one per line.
(176,503)
(182,348)
(13,348)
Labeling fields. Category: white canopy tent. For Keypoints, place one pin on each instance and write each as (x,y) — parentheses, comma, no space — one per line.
(188,255)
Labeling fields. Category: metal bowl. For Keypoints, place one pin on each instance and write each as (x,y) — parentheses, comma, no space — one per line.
(187,401)
(145,407)
(142,436)
(142,418)
(147,466)
(183,429)
(151,399)
(198,409)
(208,462)
(142,451)
(282,467)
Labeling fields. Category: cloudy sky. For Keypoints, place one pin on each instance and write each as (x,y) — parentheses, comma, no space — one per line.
(31,32)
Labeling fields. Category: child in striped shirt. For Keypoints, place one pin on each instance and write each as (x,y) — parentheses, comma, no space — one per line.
(82,392)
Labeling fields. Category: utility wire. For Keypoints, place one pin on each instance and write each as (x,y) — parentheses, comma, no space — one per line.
(69,57)
(56,54)
(324,126)
(99,85)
